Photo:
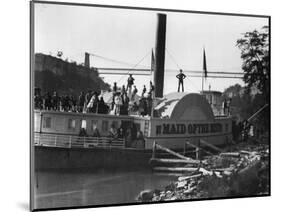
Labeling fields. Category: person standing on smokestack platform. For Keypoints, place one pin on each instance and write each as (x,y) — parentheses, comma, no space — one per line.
(181,76)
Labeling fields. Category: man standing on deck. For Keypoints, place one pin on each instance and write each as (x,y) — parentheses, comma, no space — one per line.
(130,82)
(181,76)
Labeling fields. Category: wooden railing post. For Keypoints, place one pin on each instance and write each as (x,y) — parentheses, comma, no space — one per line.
(39,140)
(197,151)
(154,149)
(184,149)
(69,141)
(124,143)
(56,140)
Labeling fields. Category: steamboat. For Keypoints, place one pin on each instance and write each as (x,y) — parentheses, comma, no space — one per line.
(175,119)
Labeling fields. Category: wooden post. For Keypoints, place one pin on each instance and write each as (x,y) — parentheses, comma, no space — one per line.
(124,143)
(198,155)
(69,141)
(173,153)
(184,149)
(39,139)
(154,149)
(211,146)
(56,140)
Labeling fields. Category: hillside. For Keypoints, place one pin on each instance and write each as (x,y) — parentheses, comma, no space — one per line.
(54,74)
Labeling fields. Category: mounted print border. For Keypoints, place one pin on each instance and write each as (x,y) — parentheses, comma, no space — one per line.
(134,105)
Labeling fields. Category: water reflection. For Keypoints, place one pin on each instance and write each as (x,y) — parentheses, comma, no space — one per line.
(80,188)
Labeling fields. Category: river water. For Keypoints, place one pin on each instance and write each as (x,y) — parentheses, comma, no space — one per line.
(102,187)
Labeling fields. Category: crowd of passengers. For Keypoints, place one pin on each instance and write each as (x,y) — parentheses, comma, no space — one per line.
(131,135)
(123,102)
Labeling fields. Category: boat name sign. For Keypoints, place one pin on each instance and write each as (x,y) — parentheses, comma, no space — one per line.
(165,129)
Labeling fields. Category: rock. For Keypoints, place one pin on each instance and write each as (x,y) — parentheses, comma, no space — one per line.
(181,184)
(190,190)
(174,198)
(145,196)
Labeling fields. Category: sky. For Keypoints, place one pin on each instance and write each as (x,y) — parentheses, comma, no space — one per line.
(129,35)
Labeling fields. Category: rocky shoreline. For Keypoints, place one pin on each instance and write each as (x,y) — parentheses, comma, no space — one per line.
(243,171)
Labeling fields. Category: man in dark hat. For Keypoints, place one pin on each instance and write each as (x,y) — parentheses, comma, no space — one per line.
(114,88)
(130,82)
(143,91)
(81,101)
(151,89)
(181,76)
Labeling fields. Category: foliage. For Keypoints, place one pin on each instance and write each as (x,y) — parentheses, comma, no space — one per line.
(245,103)
(53,74)
(254,48)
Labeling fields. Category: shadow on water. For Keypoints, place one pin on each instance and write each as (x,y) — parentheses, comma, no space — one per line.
(94,187)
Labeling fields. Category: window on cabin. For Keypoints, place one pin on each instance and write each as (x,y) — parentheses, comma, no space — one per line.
(104,126)
(71,124)
(226,127)
(94,124)
(47,122)
(137,126)
(84,124)
(115,124)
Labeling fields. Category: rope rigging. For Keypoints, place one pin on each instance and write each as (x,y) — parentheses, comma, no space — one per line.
(113,60)
(134,66)
(188,77)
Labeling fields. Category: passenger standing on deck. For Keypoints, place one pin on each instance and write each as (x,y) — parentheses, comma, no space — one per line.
(125,101)
(181,76)
(55,101)
(92,105)
(112,132)
(88,96)
(228,106)
(114,88)
(123,90)
(81,101)
(130,82)
(143,91)
(151,89)
(135,91)
(118,104)
(96,132)
(224,106)
(47,101)
(102,107)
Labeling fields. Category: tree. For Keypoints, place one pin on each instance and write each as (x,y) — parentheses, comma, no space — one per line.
(254,48)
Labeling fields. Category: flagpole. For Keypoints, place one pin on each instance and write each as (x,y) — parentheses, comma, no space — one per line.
(152,79)
(203,72)
(202,82)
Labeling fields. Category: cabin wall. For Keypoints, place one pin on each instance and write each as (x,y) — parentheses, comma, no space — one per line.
(71,123)
(143,125)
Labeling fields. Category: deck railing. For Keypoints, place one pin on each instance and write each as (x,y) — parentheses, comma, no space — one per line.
(73,141)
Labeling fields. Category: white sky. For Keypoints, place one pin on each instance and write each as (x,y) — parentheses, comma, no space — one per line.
(129,35)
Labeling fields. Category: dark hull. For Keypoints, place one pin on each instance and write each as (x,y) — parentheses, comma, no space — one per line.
(92,158)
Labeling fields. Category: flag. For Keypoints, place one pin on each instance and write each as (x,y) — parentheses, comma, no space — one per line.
(152,61)
(204,64)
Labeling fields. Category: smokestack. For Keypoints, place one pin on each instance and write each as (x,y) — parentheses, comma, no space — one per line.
(87,60)
(160,55)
